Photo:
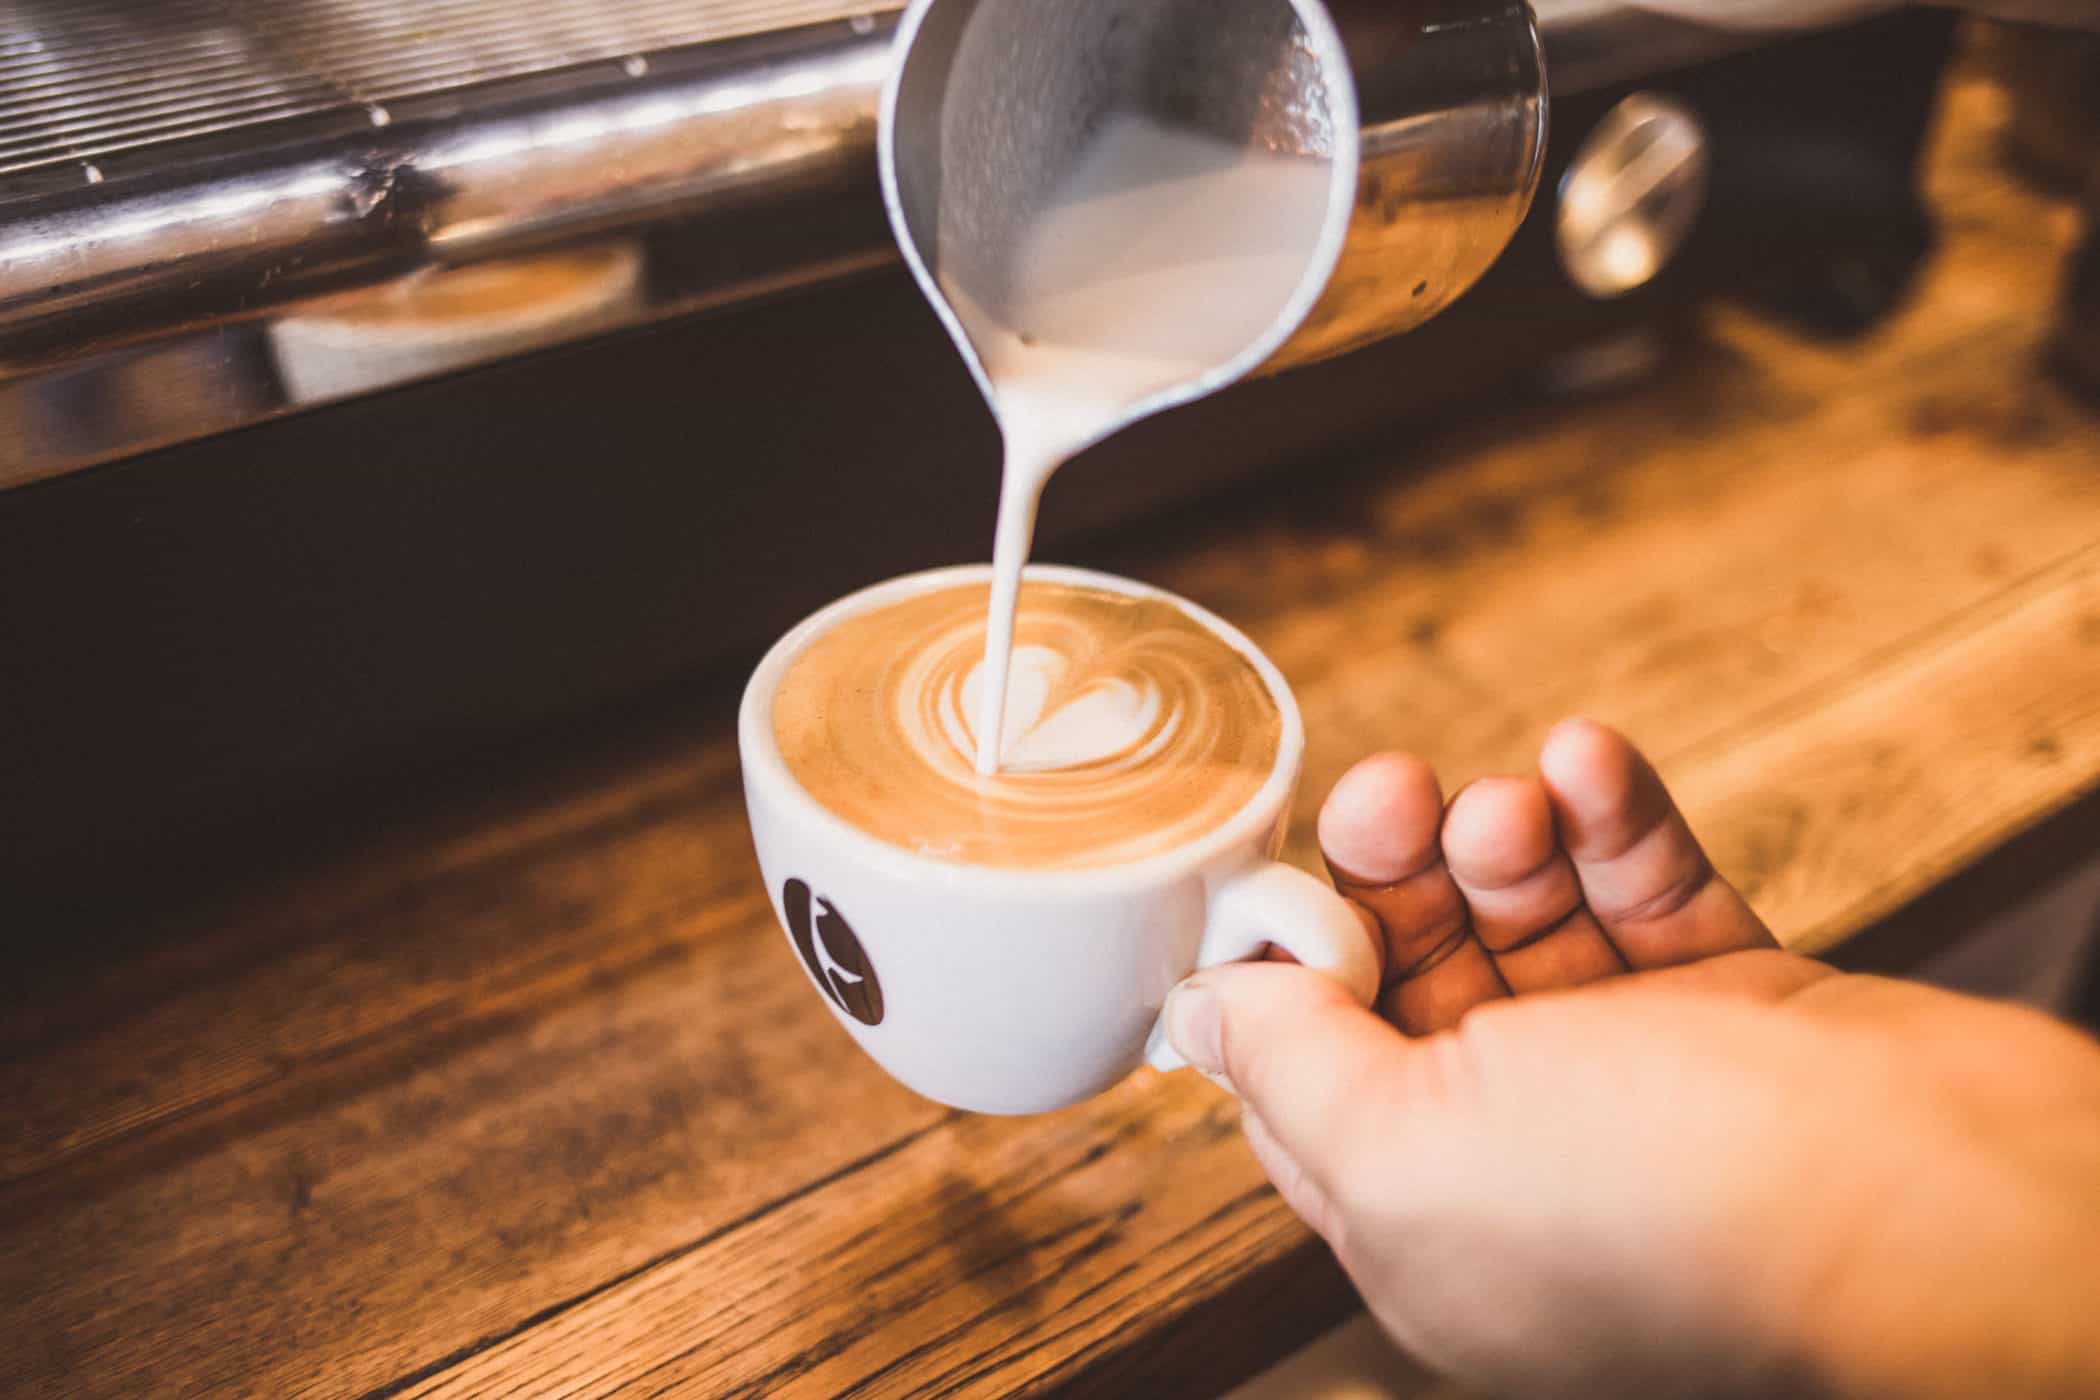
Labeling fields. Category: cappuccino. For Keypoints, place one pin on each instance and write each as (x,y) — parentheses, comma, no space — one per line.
(1130,728)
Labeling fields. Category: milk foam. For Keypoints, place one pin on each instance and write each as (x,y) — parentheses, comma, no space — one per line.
(1164,255)
(1050,724)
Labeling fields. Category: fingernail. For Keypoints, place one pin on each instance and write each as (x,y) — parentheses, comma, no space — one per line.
(1195,1023)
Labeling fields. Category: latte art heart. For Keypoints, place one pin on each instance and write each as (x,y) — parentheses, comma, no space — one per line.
(1054,721)
(1130,728)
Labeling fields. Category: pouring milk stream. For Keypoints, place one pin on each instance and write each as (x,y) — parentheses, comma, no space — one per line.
(1162,256)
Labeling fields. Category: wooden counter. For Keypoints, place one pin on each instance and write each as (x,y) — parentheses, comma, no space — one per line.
(520,1090)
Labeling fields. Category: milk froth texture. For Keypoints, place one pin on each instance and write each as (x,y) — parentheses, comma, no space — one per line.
(1131,729)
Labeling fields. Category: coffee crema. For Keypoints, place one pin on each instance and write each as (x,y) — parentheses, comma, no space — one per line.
(1130,728)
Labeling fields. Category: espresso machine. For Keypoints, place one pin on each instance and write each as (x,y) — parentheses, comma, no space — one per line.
(380,383)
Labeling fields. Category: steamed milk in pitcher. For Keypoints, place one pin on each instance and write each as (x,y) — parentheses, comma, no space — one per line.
(1164,254)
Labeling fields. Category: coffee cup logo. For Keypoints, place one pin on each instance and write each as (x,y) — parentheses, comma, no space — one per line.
(833,955)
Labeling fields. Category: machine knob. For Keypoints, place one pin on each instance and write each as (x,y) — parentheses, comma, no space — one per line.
(1631,195)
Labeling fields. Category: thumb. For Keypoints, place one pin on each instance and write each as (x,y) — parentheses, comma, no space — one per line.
(1325,1076)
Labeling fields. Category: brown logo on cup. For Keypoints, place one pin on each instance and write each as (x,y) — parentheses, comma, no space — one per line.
(833,955)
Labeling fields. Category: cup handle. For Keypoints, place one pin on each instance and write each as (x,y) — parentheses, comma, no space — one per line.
(1279,905)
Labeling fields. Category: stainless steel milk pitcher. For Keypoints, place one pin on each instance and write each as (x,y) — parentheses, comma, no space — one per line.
(1430,113)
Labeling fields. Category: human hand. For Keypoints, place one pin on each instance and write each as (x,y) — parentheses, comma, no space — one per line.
(1602,1137)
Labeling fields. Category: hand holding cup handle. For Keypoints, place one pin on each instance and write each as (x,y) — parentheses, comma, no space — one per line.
(1277,905)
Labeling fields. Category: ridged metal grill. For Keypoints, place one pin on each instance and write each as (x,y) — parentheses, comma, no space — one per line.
(87,81)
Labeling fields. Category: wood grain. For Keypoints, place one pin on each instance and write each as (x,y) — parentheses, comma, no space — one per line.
(525,1093)
(976,1252)
(424,931)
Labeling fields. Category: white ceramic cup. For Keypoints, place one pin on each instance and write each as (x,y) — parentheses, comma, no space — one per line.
(1017,991)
